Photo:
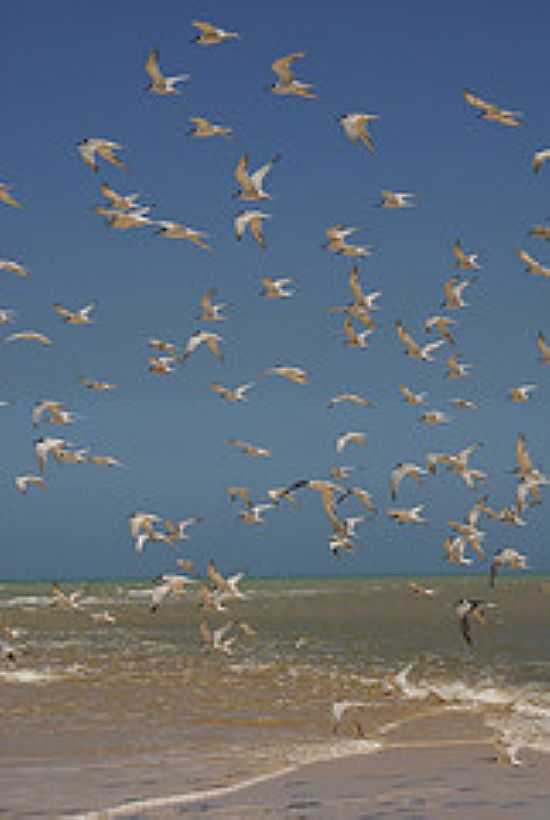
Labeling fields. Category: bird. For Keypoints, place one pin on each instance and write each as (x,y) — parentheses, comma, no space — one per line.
(91,147)
(411,397)
(328,491)
(456,369)
(75,317)
(175,230)
(6,197)
(162,365)
(522,392)
(412,348)
(293,374)
(466,608)
(454,547)
(46,445)
(402,470)
(421,591)
(127,219)
(215,638)
(160,84)
(351,398)
(539,158)
(63,599)
(251,184)
(351,437)
(210,35)
(397,199)
(97,386)
(14,267)
(255,513)
(120,202)
(254,221)
(168,585)
(23,482)
(533,265)
(353,338)
(540,231)
(337,235)
(249,449)
(232,395)
(543,347)
(277,288)
(441,324)
(227,586)
(466,261)
(286,83)
(203,128)
(6,316)
(506,557)
(463,404)
(212,341)
(491,111)
(453,290)
(29,336)
(210,311)
(410,515)
(355,127)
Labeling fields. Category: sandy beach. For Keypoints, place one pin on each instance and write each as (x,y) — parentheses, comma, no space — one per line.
(429,768)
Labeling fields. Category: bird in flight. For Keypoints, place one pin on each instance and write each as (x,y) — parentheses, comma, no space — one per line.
(160,84)
(286,83)
(91,147)
(210,35)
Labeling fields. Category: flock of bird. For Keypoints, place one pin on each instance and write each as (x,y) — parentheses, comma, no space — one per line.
(124,212)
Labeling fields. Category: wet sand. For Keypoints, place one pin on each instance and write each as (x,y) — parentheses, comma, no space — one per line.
(434,767)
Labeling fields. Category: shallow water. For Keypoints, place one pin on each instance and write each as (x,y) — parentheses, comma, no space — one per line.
(146,688)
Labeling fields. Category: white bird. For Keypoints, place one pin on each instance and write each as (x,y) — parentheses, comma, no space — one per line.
(212,341)
(23,482)
(253,220)
(29,336)
(456,369)
(455,547)
(411,397)
(412,348)
(410,515)
(90,147)
(293,374)
(403,470)
(249,449)
(6,197)
(215,638)
(203,128)
(168,585)
(466,261)
(44,446)
(397,199)
(351,437)
(160,84)
(533,265)
(506,557)
(75,317)
(539,158)
(453,290)
(463,404)
(352,398)
(13,267)
(355,126)
(277,288)
(211,311)
(251,184)
(175,230)
(232,395)
(491,111)
(286,83)
(435,417)
(441,324)
(522,393)
(210,35)
(465,609)
(6,316)
(255,513)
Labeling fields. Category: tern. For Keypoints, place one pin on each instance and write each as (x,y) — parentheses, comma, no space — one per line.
(251,184)
(253,220)
(286,83)
(355,127)
(466,261)
(6,197)
(232,395)
(91,147)
(403,470)
(277,288)
(412,348)
(23,482)
(203,128)
(175,230)
(506,557)
(466,608)
(491,111)
(75,317)
(351,437)
(210,35)
(14,267)
(159,83)
(410,515)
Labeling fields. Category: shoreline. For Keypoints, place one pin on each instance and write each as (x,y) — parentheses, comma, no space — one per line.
(428,778)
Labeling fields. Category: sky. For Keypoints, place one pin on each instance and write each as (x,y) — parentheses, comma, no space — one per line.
(75,70)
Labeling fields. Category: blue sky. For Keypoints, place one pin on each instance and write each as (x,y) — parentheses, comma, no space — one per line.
(76,70)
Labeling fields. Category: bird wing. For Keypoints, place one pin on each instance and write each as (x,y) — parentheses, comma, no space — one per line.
(152,67)
(282,68)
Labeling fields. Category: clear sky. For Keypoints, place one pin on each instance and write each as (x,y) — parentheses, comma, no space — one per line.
(75,69)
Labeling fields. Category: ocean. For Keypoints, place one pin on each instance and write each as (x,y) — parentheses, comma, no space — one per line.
(324,668)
